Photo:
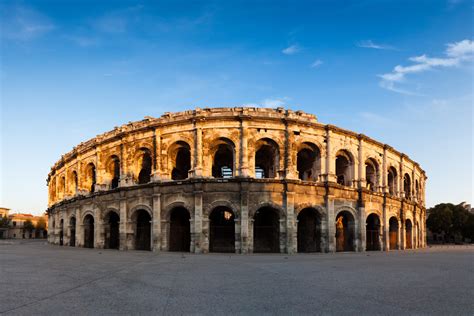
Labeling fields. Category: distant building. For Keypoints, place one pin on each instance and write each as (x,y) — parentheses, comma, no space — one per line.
(3,224)
(18,230)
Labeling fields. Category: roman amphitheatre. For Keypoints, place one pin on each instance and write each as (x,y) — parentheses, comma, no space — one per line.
(238,180)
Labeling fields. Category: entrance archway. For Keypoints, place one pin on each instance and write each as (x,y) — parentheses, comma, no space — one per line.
(112,235)
(222,230)
(393,233)
(372,232)
(408,234)
(143,230)
(72,232)
(180,230)
(345,231)
(266,230)
(309,231)
(89,231)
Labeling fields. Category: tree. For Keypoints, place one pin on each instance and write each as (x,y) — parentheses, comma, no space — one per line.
(41,224)
(454,221)
(28,225)
(4,221)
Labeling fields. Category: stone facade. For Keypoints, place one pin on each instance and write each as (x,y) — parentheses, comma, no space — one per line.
(237,180)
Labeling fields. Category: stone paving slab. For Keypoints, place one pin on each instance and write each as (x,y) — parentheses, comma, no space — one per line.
(41,279)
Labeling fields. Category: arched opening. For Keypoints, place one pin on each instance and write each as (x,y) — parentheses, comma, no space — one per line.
(74,182)
(222,230)
(62,186)
(308,162)
(345,232)
(372,174)
(112,235)
(309,231)
(142,230)
(114,171)
(372,233)
(223,162)
(344,168)
(145,162)
(61,232)
(91,177)
(408,234)
(72,232)
(393,233)
(180,154)
(180,230)
(407,186)
(417,190)
(88,231)
(266,230)
(266,159)
(52,189)
(392,180)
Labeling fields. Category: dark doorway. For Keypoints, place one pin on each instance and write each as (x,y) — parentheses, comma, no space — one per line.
(309,231)
(145,169)
(181,161)
(61,232)
(308,162)
(345,232)
(372,233)
(72,232)
(112,235)
(223,164)
(143,230)
(393,233)
(180,233)
(222,230)
(115,170)
(344,168)
(266,231)
(89,231)
(408,234)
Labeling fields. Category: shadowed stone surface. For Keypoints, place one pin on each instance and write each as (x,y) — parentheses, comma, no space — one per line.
(46,279)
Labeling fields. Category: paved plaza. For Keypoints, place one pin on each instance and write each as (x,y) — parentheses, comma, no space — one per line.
(37,278)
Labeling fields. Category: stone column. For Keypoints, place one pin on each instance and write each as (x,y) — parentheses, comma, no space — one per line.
(291,229)
(330,172)
(238,235)
(384,171)
(99,234)
(157,156)
(290,163)
(196,234)
(243,155)
(123,224)
(244,218)
(362,233)
(197,172)
(361,165)
(165,227)
(331,226)
(156,223)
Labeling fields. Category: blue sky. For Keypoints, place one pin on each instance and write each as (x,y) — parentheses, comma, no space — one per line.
(398,71)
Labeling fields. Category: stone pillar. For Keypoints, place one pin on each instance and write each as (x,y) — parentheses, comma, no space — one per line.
(197,170)
(165,227)
(123,224)
(196,234)
(361,165)
(243,155)
(399,235)
(402,235)
(156,223)
(330,172)
(99,231)
(80,235)
(331,225)
(290,157)
(238,234)
(362,232)
(157,156)
(244,218)
(384,171)
(291,229)
(205,235)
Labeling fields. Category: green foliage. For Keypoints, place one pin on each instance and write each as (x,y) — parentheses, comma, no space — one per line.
(28,225)
(454,221)
(4,221)
(41,224)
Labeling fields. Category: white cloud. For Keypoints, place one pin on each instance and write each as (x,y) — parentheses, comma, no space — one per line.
(269,103)
(23,23)
(291,50)
(456,53)
(370,44)
(316,63)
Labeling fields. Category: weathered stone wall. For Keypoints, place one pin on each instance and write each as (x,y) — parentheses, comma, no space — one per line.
(81,183)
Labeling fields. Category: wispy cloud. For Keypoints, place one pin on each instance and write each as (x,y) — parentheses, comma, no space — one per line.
(291,50)
(23,23)
(456,53)
(84,41)
(270,103)
(371,44)
(316,63)
(118,21)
